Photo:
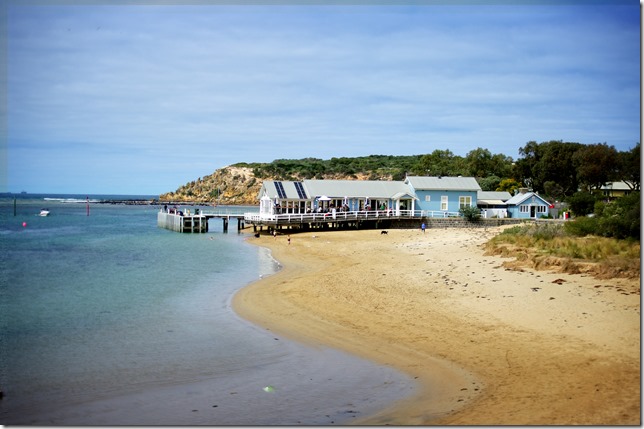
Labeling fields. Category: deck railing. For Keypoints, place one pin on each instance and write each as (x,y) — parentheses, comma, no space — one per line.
(345,216)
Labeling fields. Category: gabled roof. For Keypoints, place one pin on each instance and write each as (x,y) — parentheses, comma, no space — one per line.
(520,198)
(356,188)
(616,186)
(443,183)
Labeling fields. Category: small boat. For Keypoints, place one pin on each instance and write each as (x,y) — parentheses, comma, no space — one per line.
(44,212)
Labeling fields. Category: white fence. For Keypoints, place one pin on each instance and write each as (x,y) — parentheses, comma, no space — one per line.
(286,218)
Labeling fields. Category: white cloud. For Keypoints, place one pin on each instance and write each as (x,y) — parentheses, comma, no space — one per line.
(228,84)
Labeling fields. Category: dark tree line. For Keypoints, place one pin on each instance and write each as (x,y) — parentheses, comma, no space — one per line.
(555,169)
(560,169)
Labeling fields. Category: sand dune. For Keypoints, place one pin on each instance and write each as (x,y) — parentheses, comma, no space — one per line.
(488,345)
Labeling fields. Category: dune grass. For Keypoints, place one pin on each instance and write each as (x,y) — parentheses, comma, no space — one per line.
(546,246)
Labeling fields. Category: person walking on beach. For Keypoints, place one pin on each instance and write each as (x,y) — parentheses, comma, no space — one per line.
(422,227)
(288,238)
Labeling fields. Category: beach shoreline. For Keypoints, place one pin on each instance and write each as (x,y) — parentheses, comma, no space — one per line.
(487,345)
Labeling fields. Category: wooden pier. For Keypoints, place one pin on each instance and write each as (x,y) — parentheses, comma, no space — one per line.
(374,219)
(196,223)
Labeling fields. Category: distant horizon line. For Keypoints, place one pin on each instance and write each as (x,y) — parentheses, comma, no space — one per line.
(83,194)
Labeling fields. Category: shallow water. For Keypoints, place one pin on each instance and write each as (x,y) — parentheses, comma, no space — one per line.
(107,319)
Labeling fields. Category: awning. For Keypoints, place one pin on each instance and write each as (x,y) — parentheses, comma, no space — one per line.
(491,202)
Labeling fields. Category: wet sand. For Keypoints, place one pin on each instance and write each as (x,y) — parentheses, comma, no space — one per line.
(487,345)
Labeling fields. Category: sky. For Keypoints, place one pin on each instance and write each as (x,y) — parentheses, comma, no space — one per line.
(141,98)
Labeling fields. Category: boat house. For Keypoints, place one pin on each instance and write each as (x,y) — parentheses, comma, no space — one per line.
(354,202)
(329,196)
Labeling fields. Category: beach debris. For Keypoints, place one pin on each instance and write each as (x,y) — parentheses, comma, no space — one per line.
(558,281)
(269,389)
(535,289)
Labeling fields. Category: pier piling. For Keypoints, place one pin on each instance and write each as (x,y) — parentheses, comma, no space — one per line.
(197,223)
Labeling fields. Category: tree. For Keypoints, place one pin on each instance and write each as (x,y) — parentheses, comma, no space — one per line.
(621,218)
(523,168)
(481,163)
(629,169)
(582,203)
(508,185)
(440,163)
(548,161)
(489,183)
(554,190)
(596,165)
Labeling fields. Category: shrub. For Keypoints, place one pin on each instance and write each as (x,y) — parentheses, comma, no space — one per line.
(547,231)
(581,226)
(582,203)
(472,214)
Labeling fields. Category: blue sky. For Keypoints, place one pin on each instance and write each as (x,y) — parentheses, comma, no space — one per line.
(140,99)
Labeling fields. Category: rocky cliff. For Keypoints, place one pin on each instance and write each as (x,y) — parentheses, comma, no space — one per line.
(229,185)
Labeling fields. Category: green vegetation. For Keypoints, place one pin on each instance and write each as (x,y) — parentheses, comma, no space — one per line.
(555,169)
(387,167)
(472,214)
(560,169)
(551,246)
(619,218)
(480,163)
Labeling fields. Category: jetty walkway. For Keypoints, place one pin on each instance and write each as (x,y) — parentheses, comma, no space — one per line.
(196,222)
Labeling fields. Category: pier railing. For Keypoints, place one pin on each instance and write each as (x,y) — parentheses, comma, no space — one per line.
(341,216)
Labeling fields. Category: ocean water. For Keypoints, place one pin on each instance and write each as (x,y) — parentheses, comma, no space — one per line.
(107,319)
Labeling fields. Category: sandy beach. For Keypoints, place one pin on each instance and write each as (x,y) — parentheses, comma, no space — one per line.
(487,345)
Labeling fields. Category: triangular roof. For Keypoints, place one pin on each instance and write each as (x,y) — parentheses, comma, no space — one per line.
(443,183)
(520,198)
(616,186)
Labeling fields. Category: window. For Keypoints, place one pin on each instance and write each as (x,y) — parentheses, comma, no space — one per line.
(524,208)
(464,202)
(541,209)
(444,202)
(428,198)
